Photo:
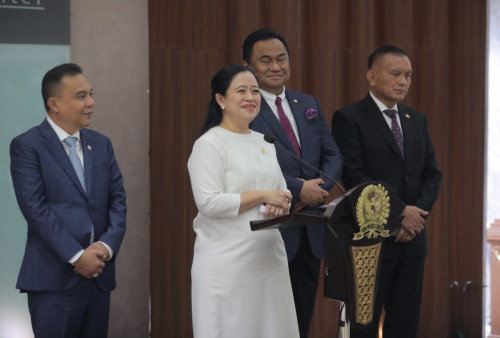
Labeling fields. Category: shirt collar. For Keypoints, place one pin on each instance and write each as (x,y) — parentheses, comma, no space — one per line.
(61,134)
(270,97)
(381,105)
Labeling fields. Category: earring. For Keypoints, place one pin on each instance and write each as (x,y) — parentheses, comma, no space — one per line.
(223,107)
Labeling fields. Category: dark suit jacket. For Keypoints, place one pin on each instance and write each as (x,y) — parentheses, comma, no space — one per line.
(59,213)
(371,154)
(317,147)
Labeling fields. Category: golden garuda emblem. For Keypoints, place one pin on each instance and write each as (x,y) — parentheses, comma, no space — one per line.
(372,212)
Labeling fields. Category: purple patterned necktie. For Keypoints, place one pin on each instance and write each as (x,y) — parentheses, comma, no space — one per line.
(287,126)
(396,130)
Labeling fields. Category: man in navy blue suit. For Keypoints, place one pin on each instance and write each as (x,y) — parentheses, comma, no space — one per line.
(297,122)
(70,190)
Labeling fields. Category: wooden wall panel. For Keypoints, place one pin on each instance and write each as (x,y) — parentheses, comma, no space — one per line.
(177,102)
(429,61)
(329,41)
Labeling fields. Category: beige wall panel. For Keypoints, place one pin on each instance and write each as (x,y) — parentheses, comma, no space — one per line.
(110,41)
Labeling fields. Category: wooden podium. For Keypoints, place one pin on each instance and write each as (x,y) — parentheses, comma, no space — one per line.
(357,223)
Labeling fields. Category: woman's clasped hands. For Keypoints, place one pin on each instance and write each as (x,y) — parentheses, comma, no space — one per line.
(277,203)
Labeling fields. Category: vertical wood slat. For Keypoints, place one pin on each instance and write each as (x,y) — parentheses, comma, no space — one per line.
(330,41)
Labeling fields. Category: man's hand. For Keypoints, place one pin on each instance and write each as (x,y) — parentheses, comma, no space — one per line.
(312,194)
(99,246)
(91,263)
(403,236)
(413,222)
(299,205)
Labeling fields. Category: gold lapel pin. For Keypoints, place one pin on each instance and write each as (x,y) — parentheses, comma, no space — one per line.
(89,147)
(263,150)
(407,116)
(295,100)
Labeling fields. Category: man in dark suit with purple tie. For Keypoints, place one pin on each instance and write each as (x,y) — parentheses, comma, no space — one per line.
(70,191)
(296,121)
(382,139)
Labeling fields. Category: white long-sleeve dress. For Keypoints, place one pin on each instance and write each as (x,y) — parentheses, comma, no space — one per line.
(240,280)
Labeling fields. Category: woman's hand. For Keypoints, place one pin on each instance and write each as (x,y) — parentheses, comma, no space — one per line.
(278,198)
(272,211)
(277,203)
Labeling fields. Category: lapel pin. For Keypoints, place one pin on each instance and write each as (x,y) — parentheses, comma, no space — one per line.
(407,116)
(295,100)
(263,150)
(89,147)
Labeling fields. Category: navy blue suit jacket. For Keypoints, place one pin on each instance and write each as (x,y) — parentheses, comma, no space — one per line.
(317,147)
(59,213)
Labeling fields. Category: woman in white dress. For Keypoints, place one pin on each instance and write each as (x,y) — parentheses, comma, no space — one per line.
(240,280)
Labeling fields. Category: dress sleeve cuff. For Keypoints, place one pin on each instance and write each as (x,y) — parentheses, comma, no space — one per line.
(109,250)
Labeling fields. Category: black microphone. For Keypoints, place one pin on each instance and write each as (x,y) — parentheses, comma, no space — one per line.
(271,139)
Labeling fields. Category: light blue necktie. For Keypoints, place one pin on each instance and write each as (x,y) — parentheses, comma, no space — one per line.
(77,164)
(75,160)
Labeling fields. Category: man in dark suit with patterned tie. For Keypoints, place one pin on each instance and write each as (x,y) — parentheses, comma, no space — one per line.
(384,140)
(297,122)
(70,191)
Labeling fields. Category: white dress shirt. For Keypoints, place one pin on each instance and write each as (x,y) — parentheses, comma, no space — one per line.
(383,107)
(62,135)
(271,101)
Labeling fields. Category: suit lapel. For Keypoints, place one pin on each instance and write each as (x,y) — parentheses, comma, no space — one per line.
(87,158)
(300,121)
(56,149)
(408,130)
(267,114)
(375,116)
